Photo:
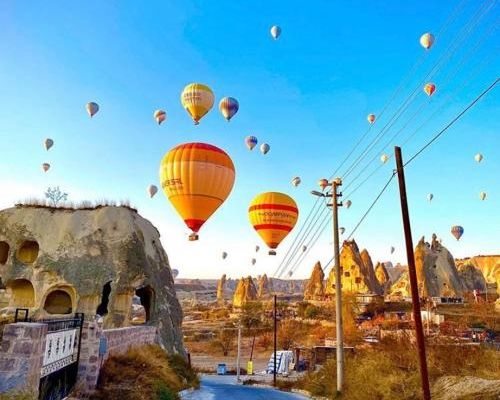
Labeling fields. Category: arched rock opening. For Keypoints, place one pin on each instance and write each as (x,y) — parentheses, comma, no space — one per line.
(102,308)
(4,252)
(147,296)
(28,252)
(58,302)
(22,293)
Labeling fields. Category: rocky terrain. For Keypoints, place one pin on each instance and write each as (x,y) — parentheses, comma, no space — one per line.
(315,288)
(245,291)
(61,261)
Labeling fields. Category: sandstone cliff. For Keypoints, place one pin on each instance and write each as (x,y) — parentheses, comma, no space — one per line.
(264,287)
(489,267)
(245,292)
(472,278)
(221,288)
(315,289)
(61,261)
(383,278)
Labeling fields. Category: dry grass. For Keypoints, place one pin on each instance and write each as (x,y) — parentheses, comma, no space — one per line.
(17,396)
(390,371)
(85,205)
(144,373)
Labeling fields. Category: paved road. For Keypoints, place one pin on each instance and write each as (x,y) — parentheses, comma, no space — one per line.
(225,388)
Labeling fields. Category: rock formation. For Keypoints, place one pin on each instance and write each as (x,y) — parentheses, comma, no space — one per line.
(61,261)
(472,278)
(315,289)
(489,267)
(245,291)
(264,287)
(221,288)
(383,278)
(394,271)
(358,275)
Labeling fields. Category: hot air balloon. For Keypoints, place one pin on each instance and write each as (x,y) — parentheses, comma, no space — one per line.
(152,190)
(224,255)
(478,157)
(371,118)
(273,215)
(160,116)
(229,106)
(323,183)
(427,40)
(92,108)
(348,203)
(296,181)
(429,89)
(175,273)
(264,148)
(254,261)
(275,32)
(430,196)
(290,273)
(197,99)
(457,231)
(482,195)
(45,167)
(48,143)
(257,248)
(384,158)
(342,230)
(251,142)
(196,178)
(392,249)
(304,248)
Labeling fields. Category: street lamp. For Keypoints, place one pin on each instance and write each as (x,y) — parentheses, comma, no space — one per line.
(338,276)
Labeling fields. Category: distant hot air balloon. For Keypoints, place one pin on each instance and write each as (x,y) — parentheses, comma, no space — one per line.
(275,32)
(197,99)
(296,181)
(429,89)
(304,248)
(323,183)
(92,108)
(392,249)
(264,148)
(430,196)
(384,158)
(254,261)
(342,230)
(45,167)
(257,248)
(196,178)
(251,142)
(48,143)
(273,215)
(175,273)
(290,273)
(152,190)
(348,203)
(371,118)
(478,157)
(229,106)
(427,40)
(160,116)
(224,255)
(457,231)
(482,195)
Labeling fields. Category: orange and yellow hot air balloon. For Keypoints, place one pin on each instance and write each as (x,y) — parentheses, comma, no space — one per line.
(371,118)
(197,99)
(273,215)
(197,178)
(429,89)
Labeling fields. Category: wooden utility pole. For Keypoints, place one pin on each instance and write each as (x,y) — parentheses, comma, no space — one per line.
(419,331)
(338,288)
(239,352)
(275,339)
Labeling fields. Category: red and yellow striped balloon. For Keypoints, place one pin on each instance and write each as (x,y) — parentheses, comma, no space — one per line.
(196,178)
(273,215)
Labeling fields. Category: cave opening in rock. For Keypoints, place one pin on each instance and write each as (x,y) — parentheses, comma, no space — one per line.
(22,293)
(102,309)
(58,302)
(146,294)
(4,252)
(28,252)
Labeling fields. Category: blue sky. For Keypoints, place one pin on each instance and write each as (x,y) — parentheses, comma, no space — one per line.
(306,94)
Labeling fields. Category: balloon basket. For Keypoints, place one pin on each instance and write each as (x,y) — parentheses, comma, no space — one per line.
(272,253)
(193,237)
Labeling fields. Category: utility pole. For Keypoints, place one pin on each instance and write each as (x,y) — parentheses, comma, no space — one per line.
(238,356)
(419,332)
(338,286)
(275,340)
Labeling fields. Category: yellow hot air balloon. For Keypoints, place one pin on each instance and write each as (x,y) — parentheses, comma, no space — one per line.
(273,215)
(197,178)
(197,99)
(427,40)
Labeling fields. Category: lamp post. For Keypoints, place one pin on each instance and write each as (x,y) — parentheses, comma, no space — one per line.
(338,275)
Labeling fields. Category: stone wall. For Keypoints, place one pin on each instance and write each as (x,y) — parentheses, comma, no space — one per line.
(21,357)
(122,339)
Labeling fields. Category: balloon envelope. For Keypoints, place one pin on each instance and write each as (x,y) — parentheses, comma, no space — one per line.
(296,181)
(429,89)
(342,230)
(45,167)
(251,142)
(48,143)
(304,248)
(384,158)
(371,118)
(427,40)
(160,116)
(457,231)
(275,32)
(273,215)
(224,255)
(254,261)
(228,106)
(197,99)
(323,183)
(348,203)
(430,196)
(264,148)
(175,273)
(482,195)
(92,108)
(478,157)
(196,178)
(257,248)
(392,249)
(152,190)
